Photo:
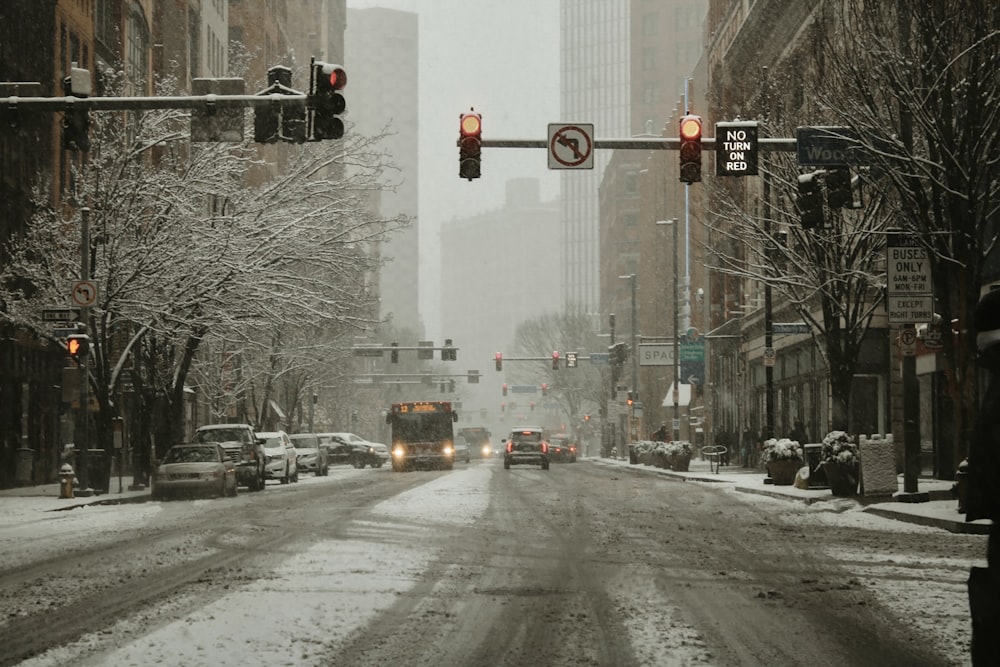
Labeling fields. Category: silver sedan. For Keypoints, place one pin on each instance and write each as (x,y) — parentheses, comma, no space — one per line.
(202,469)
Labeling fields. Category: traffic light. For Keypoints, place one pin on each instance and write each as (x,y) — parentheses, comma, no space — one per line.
(809,202)
(503,388)
(545,389)
(555,361)
(498,357)
(630,400)
(586,418)
(394,354)
(285,121)
(532,406)
(448,353)
(838,188)
(326,100)
(451,386)
(78,346)
(470,140)
(76,122)
(690,130)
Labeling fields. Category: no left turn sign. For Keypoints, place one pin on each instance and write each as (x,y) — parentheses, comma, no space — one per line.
(571,146)
(84,293)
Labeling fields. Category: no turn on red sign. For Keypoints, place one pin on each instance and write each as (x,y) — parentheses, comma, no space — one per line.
(571,146)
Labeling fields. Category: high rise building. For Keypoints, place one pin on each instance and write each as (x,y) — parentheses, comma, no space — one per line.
(381,59)
(594,68)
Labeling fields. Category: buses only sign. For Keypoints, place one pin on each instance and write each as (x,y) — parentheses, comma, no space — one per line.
(736,149)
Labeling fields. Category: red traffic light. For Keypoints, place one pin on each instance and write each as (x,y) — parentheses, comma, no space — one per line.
(503,388)
(555,361)
(691,127)
(77,345)
(335,75)
(498,357)
(471,124)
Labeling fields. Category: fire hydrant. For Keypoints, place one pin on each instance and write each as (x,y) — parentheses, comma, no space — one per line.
(67,479)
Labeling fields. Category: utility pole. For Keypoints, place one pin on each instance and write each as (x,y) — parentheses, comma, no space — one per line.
(676,422)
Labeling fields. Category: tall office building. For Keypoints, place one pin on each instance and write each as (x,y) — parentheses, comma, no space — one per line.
(594,68)
(381,61)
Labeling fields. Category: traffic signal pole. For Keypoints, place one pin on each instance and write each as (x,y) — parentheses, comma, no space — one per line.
(80,440)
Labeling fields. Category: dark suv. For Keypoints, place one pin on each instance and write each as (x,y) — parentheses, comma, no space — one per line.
(243,448)
(526,444)
(358,453)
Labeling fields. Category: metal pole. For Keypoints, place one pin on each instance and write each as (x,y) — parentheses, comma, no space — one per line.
(677,356)
(80,431)
(634,433)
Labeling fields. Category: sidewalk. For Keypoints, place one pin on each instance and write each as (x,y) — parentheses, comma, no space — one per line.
(941,511)
(45,497)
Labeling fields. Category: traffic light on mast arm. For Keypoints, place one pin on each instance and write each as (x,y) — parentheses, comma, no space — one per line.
(470,145)
(555,360)
(809,201)
(326,100)
(498,357)
(76,122)
(690,131)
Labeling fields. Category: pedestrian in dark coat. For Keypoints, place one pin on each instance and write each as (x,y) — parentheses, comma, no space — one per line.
(983,489)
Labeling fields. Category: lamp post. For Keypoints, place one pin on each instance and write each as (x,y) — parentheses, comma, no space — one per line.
(677,358)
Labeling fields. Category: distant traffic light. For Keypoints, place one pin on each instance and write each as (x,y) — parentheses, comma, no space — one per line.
(555,360)
(76,122)
(545,389)
(470,141)
(630,400)
(78,346)
(448,352)
(498,357)
(326,100)
(838,188)
(451,386)
(690,131)
(394,354)
(503,388)
(532,406)
(809,201)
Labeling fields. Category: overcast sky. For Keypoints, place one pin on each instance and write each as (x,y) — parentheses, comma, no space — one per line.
(503,59)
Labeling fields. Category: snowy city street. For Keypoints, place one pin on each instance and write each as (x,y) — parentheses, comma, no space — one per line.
(592,563)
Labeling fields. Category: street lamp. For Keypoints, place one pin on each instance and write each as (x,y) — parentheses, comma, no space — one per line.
(677,358)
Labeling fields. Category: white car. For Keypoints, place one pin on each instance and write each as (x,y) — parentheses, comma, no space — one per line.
(280,458)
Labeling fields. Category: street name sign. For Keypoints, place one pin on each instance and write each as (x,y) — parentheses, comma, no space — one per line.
(790,328)
(827,146)
(736,149)
(599,358)
(523,389)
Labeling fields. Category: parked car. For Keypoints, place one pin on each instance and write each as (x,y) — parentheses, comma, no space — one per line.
(311,456)
(348,448)
(280,458)
(242,446)
(526,444)
(194,469)
(562,449)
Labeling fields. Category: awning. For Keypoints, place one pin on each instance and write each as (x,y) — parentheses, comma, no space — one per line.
(683,398)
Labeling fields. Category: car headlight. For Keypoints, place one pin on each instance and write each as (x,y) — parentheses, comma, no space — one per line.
(448,450)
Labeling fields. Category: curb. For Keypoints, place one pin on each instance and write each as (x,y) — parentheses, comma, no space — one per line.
(104,501)
(952,526)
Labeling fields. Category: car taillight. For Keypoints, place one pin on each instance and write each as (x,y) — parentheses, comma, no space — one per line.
(545,448)
(572,449)
(510,446)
